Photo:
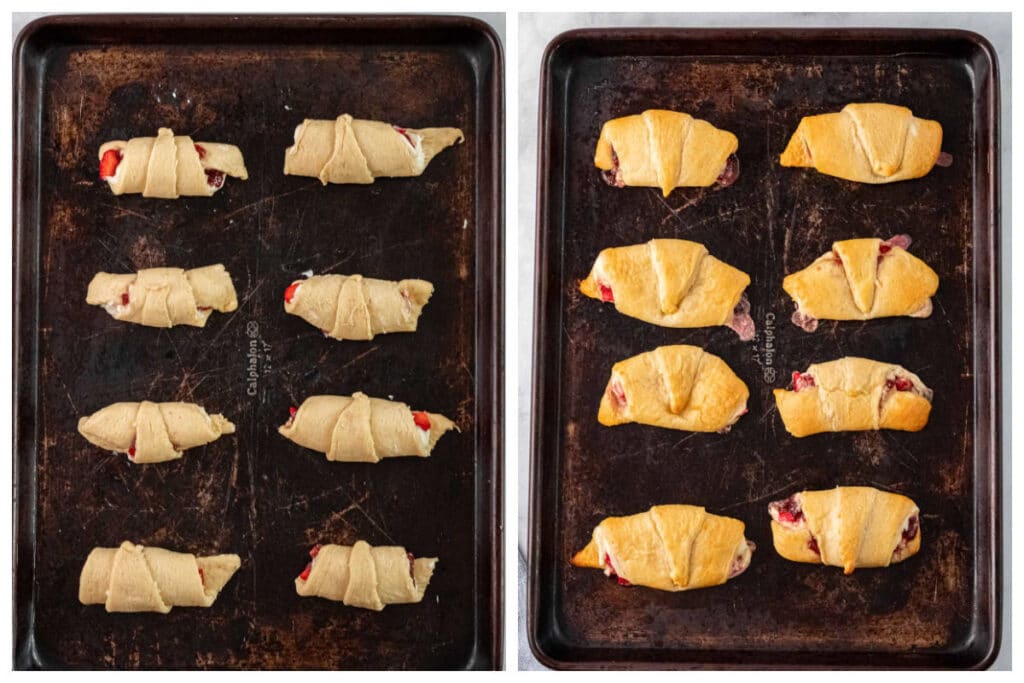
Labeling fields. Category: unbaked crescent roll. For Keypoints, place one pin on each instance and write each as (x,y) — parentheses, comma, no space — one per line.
(854,394)
(133,578)
(153,432)
(164,297)
(676,387)
(862,279)
(867,143)
(358,428)
(169,166)
(848,527)
(669,547)
(672,283)
(357,307)
(365,576)
(348,150)
(666,149)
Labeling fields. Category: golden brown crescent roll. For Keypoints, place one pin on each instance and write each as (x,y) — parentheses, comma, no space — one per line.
(854,394)
(672,283)
(365,576)
(348,150)
(862,279)
(867,143)
(358,428)
(666,149)
(357,307)
(848,527)
(134,578)
(676,387)
(153,432)
(169,166)
(164,297)
(669,547)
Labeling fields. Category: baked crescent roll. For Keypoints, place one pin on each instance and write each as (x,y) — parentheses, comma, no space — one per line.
(348,150)
(848,527)
(854,394)
(867,143)
(358,428)
(364,576)
(862,279)
(153,432)
(164,297)
(676,387)
(133,578)
(669,547)
(169,166)
(672,283)
(354,307)
(666,149)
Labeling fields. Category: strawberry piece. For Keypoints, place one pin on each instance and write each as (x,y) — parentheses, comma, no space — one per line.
(884,248)
(622,581)
(611,568)
(125,299)
(200,151)
(412,564)
(801,381)
(131,451)
(421,419)
(202,577)
(292,410)
(787,516)
(903,384)
(214,178)
(813,545)
(618,394)
(109,162)
(315,550)
(606,293)
(405,134)
(305,572)
(289,293)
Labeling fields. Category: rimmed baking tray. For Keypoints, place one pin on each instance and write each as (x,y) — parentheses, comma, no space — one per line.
(81,80)
(938,609)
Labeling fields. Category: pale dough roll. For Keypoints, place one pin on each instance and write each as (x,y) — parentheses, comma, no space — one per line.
(164,297)
(133,578)
(357,307)
(364,576)
(358,428)
(153,432)
(348,150)
(168,166)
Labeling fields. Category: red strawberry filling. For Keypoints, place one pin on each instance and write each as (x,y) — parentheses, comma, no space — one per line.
(910,532)
(214,179)
(289,293)
(131,451)
(125,299)
(200,151)
(202,577)
(109,162)
(405,134)
(805,322)
(802,381)
(613,177)
(421,419)
(617,394)
(314,551)
(788,511)
(305,572)
(612,572)
(730,173)
(813,545)
(899,384)
(291,415)
(412,565)
(606,293)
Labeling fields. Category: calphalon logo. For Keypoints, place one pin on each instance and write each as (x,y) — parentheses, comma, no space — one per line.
(764,349)
(257,358)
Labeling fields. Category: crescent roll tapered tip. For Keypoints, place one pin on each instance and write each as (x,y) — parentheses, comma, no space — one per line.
(669,547)
(866,142)
(849,527)
(169,166)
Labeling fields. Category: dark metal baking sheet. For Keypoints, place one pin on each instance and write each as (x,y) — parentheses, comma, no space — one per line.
(938,609)
(250,81)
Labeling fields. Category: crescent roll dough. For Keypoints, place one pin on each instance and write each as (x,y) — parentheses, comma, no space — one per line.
(665,149)
(862,279)
(133,578)
(358,428)
(669,547)
(348,150)
(153,432)
(169,166)
(854,394)
(672,283)
(848,527)
(354,307)
(164,297)
(676,387)
(866,143)
(364,576)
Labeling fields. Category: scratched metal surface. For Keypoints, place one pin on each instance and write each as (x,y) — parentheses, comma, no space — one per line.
(250,82)
(936,609)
